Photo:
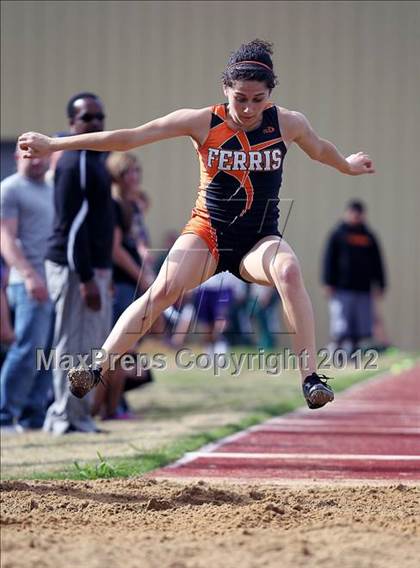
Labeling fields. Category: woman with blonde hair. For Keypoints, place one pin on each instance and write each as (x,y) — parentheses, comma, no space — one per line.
(129,277)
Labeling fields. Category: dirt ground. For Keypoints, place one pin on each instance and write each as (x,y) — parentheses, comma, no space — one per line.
(146,523)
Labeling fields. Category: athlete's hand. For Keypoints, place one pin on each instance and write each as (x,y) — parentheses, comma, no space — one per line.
(359,164)
(35,145)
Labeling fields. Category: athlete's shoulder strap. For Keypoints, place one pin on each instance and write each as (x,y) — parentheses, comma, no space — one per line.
(272,116)
(220,111)
(218,115)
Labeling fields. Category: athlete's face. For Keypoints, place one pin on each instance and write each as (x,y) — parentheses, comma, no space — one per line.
(247,100)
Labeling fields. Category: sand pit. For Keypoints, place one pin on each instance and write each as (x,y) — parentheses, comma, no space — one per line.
(144,523)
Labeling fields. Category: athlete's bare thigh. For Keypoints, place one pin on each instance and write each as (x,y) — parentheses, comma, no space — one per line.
(255,265)
(189,263)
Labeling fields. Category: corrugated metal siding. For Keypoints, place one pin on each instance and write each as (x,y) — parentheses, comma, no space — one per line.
(352,67)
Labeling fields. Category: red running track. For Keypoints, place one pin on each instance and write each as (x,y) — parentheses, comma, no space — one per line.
(370,432)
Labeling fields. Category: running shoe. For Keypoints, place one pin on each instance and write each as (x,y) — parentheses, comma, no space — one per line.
(316,391)
(82,380)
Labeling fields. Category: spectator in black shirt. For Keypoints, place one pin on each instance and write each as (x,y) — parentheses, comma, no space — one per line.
(79,262)
(353,273)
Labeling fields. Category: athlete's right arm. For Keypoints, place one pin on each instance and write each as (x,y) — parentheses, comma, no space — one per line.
(183,122)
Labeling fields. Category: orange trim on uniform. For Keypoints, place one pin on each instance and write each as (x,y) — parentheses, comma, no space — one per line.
(198,226)
(264,145)
(220,111)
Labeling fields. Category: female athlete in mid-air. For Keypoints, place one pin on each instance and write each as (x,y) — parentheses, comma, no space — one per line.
(241,146)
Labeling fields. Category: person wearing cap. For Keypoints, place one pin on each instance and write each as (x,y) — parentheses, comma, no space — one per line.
(353,274)
(241,146)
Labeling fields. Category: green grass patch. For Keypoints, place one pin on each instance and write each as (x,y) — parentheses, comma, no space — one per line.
(145,461)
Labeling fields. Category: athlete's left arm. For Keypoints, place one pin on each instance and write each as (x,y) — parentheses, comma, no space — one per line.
(324,151)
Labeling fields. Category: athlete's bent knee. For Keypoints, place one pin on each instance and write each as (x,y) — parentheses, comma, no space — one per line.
(288,273)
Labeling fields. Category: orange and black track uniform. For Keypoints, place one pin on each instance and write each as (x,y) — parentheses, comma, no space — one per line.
(240,178)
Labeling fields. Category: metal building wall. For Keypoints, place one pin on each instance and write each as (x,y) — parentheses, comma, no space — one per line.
(353,68)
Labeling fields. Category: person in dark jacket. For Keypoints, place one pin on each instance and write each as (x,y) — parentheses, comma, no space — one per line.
(353,273)
(79,262)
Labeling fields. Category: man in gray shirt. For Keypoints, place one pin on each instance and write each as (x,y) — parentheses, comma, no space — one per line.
(26,224)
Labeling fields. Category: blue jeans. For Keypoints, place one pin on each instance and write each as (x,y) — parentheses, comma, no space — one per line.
(23,389)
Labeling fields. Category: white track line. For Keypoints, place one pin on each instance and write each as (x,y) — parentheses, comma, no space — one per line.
(330,428)
(342,400)
(365,409)
(382,408)
(334,457)
(400,421)
(325,419)
(211,447)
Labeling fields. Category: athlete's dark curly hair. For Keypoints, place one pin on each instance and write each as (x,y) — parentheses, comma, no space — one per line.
(257,50)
